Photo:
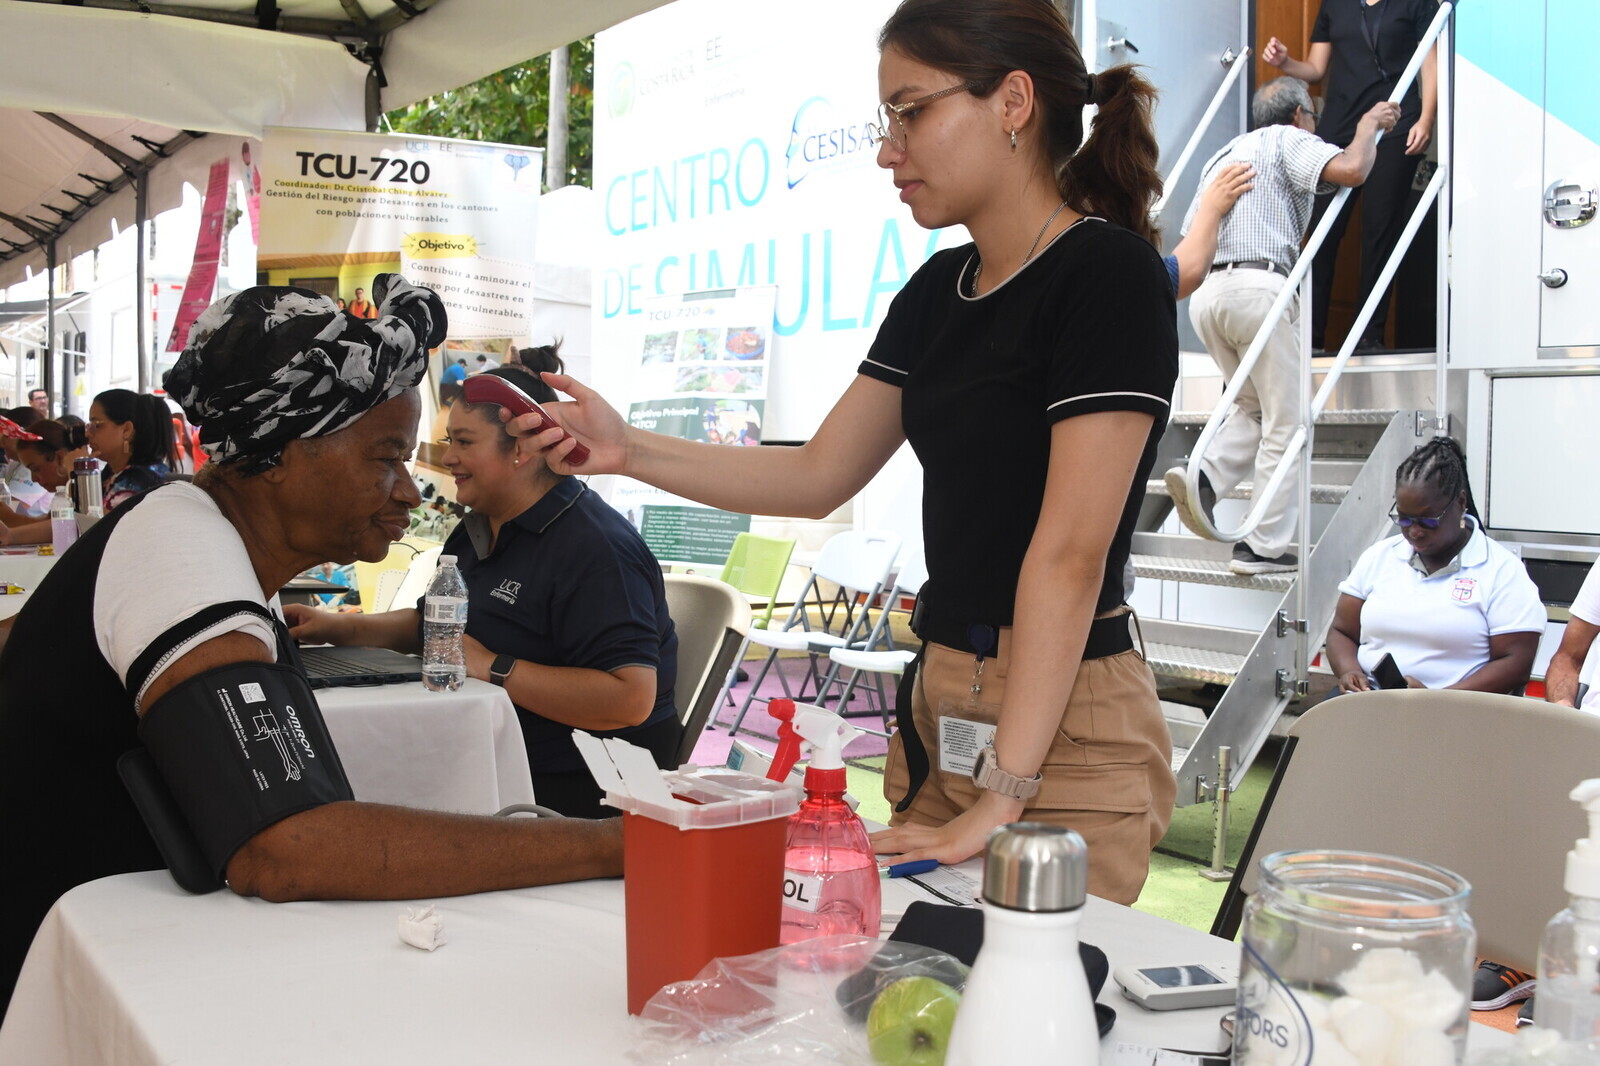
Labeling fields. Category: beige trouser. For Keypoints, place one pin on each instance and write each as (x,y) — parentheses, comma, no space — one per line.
(1227,311)
(1108,773)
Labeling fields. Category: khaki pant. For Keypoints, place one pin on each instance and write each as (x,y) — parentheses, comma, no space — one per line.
(1226,312)
(1108,773)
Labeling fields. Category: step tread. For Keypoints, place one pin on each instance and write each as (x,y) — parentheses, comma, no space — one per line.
(1353,417)
(1196,664)
(1320,493)
(1206,572)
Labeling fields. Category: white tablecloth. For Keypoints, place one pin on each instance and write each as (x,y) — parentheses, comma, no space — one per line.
(130,970)
(26,570)
(447,751)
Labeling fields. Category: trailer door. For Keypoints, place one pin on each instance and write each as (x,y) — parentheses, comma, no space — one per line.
(1570,252)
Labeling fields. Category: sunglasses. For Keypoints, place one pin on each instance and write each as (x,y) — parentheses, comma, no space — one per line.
(1405,521)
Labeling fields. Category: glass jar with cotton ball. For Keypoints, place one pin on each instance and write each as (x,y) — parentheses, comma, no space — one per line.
(1354,958)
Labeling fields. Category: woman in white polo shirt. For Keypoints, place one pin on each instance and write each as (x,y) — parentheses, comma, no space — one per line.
(1455,609)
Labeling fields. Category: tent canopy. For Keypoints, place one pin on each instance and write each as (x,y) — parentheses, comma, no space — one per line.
(96,93)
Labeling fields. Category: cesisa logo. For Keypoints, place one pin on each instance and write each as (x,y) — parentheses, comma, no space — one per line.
(820,139)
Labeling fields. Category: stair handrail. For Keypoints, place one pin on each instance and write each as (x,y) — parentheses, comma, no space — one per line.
(1236,65)
(1262,496)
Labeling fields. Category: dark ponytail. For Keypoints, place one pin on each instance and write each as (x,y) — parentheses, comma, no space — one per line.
(54,438)
(981,41)
(1114,174)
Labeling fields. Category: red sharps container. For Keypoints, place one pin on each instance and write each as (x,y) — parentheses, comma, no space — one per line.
(702,871)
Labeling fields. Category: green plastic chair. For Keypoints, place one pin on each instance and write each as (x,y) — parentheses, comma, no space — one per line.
(755,567)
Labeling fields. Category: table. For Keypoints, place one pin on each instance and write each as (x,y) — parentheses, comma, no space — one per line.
(447,751)
(22,567)
(131,970)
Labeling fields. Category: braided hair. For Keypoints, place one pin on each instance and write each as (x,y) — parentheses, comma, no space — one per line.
(1442,464)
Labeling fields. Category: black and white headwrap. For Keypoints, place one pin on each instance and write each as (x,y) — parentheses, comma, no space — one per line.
(275,364)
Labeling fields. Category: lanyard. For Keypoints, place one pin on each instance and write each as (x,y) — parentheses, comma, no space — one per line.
(1370,29)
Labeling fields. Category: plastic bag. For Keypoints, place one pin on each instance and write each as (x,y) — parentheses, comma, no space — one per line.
(805,1002)
(1534,1047)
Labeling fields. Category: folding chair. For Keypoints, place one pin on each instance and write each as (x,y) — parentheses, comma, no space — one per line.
(711,618)
(859,563)
(869,659)
(755,567)
(1471,781)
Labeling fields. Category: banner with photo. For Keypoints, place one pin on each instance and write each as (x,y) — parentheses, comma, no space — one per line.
(702,376)
(460,217)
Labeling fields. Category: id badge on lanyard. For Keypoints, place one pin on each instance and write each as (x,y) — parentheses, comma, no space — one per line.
(967,725)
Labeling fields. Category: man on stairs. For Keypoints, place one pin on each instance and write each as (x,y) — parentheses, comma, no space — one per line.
(1256,248)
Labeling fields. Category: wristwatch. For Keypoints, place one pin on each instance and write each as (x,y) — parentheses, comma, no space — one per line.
(500,669)
(986,773)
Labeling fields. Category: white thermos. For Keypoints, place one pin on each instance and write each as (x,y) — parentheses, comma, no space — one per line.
(1027,998)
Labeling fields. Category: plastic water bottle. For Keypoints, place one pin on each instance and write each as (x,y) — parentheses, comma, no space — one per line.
(5,496)
(444,622)
(63,521)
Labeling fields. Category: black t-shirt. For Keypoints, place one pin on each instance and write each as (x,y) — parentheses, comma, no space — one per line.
(1370,51)
(1088,325)
(568,583)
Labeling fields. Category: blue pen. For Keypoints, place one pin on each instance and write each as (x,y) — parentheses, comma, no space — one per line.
(907,869)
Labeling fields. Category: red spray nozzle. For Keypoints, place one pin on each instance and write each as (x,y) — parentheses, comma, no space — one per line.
(788,752)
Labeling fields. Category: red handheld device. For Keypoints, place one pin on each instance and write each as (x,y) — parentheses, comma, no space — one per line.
(487,388)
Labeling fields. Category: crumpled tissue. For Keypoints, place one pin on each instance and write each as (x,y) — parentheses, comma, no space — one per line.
(422,927)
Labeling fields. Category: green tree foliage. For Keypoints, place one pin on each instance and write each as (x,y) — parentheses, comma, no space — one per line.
(513,107)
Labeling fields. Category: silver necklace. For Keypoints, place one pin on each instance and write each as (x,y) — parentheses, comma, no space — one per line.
(978,273)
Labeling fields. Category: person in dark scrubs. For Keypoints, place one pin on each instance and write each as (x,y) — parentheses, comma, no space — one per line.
(1361,47)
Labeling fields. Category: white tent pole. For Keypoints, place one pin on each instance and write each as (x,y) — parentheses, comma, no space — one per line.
(50,319)
(141,209)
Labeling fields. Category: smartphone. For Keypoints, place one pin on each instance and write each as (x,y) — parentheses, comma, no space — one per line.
(1388,675)
(487,388)
(1178,987)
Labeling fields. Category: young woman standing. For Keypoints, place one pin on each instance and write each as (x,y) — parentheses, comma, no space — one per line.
(1031,371)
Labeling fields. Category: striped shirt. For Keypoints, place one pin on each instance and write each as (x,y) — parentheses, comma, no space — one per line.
(1269,221)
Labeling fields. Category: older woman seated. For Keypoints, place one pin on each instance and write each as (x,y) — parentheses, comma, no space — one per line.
(568,610)
(156,631)
(1454,609)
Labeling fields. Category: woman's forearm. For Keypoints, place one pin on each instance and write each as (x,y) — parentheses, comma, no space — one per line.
(584,698)
(1342,653)
(1055,606)
(859,435)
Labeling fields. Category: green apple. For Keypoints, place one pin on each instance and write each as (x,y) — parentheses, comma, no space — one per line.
(910,1022)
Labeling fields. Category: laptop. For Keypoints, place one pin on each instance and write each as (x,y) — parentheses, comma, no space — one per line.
(329,667)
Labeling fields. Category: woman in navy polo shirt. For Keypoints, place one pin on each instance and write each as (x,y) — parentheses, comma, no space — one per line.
(567,609)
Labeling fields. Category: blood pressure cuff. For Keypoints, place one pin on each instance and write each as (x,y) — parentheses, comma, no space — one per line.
(239,748)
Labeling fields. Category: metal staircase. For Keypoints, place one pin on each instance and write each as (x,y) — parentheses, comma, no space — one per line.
(1353,464)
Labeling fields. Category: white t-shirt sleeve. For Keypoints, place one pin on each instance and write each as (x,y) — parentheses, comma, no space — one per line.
(1586,606)
(170,559)
(1365,572)
(1514,604)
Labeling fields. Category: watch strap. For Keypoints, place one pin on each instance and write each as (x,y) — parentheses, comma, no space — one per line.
(987,774)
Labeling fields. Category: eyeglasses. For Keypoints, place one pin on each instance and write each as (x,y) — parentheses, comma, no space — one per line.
(1405,521)
(891,124)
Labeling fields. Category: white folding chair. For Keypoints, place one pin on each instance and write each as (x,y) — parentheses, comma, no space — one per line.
(859,562)
(873,659)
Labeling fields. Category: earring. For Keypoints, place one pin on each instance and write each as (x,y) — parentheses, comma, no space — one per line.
(1013,138)
(1463,522)
(516,462)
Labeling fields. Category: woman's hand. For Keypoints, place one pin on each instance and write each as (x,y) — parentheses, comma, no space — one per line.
(1355,681)
(957,840)
(1275,53)
(479,658)
(586,418)
(307,625)
(1412,682)
(1420,134)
